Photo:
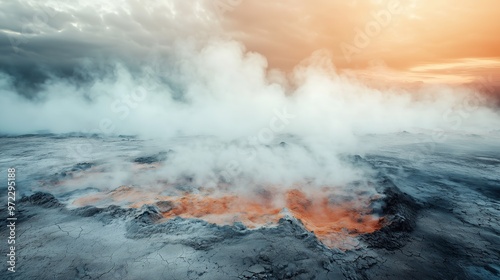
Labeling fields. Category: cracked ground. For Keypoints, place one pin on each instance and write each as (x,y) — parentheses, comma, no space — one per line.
(444,225)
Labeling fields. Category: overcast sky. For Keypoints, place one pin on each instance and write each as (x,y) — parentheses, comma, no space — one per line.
(223,67)
(450,41)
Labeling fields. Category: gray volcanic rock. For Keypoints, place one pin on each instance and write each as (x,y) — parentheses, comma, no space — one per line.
(117,243)
(45,200)
(68,244)
(441,222)
(400,215)
(159,157)
(114,243)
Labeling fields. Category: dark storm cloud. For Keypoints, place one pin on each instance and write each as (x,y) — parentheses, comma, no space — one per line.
(43,39)
(53,39)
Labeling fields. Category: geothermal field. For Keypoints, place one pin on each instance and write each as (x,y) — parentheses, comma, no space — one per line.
(249,139)
(117,217)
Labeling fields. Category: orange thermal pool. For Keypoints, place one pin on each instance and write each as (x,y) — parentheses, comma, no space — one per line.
(331,222)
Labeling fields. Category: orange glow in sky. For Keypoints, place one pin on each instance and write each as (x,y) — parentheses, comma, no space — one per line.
(432,41)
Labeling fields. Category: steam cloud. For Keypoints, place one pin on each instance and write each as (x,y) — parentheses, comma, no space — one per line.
(150,71)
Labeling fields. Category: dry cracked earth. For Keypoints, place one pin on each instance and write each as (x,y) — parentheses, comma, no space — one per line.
(441,221)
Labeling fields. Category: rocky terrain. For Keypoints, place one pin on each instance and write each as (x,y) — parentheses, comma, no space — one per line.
(440,222)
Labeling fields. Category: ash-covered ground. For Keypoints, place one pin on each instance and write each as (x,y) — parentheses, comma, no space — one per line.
(437,205)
